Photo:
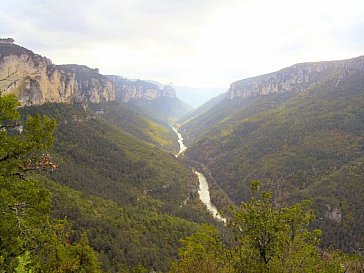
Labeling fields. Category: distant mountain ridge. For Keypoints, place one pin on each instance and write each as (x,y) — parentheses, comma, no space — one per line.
(152,99)
(127,89)
(295,78)
(197,96)
(35,80)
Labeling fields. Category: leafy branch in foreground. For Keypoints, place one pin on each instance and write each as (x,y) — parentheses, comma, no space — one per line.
(265,239)
(29,240)
(23,147)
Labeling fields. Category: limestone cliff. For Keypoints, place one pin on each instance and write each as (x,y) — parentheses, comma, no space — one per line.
(90,85)
(127,90)
(296,78)
(36,80)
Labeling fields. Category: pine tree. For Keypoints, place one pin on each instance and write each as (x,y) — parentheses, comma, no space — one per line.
(30,241)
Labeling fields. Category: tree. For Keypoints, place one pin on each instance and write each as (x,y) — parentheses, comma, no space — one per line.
(23,147)
(266,239)
(29,240)
(24,206)
(203,252)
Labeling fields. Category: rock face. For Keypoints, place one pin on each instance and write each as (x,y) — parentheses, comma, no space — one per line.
(90,85)
(127,90)
(333,214)
(36,80)
(7,40)
(296,78)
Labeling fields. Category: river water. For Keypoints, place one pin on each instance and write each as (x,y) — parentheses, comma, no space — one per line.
(182,146)
(203,190)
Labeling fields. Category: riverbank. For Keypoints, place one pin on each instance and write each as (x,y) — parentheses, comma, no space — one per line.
(203,190)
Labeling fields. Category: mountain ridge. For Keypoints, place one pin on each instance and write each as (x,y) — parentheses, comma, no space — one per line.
(301,143)
(35,80)
(295,78)
(127,89)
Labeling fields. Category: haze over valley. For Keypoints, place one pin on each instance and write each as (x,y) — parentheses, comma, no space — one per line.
(181,136)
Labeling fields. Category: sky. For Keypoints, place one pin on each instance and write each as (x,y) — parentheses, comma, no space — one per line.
(194,43)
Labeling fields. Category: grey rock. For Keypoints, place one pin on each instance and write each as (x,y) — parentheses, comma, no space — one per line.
(296,78)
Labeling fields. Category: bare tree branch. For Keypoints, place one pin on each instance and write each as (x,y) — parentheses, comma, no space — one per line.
(9,74)
(19,211)
(10,125)
(8,78)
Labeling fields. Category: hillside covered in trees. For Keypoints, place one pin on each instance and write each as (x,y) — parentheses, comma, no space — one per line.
(306,143)
(89,180)
(111,161)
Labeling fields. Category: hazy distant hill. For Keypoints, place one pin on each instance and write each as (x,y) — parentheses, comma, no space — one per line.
(204,107)
(127,89)
(197,96)
(161,110)
(152,99)
(301,132)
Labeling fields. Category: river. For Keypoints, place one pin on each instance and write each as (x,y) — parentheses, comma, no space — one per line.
(203,190)
(182,146)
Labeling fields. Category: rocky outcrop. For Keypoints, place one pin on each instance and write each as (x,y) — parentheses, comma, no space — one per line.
(36,80)
(333,213)
(7,40)
(296,78)
(127,89)
(90,84)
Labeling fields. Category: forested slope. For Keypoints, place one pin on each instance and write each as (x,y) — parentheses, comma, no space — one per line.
(162,110)
(301,144)
(114,183)
(125,237)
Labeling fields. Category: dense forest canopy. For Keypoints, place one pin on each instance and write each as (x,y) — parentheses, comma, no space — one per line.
(300,144)
(31,241)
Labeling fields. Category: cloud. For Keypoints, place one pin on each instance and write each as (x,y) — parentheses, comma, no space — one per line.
(190,42)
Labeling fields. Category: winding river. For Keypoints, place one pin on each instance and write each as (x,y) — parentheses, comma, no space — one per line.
(182,146)
(203,190)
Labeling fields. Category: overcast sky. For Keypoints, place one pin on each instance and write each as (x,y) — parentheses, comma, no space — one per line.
(194,43)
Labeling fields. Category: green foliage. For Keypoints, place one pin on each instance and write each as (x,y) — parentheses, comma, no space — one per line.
(107,158)
(20,152)
(266,239)
(119,188)
(27,234)
(8,106)
(203,252)
(23,262)
(269,239)
(61,253)
(117,114)
(300,145)
(25,208)
(23,204)
(125,237)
